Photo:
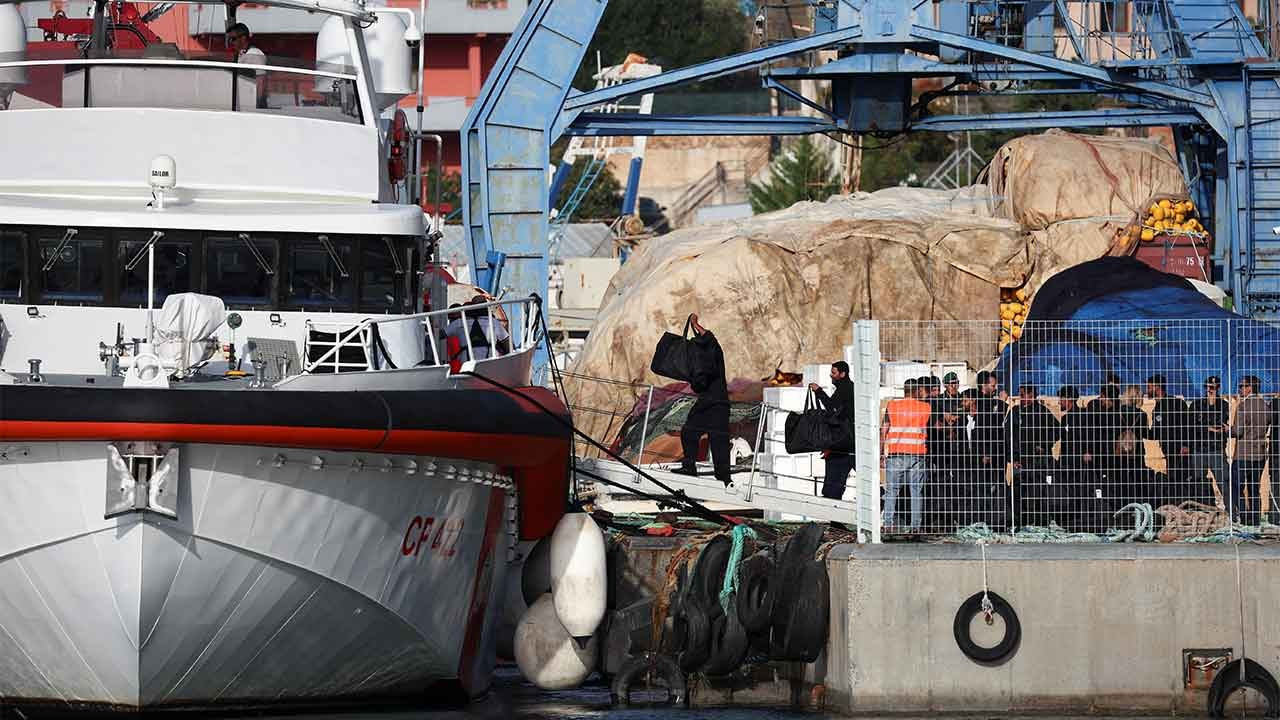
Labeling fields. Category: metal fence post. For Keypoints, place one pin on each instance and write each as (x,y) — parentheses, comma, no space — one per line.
(644,431)
(867,429)
(755,454)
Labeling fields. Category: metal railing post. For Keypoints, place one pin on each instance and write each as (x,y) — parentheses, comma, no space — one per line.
(755,454)
(644,431)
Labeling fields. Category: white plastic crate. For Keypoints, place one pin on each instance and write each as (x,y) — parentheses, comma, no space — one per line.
(820,374)
(961,369)
(894,374)
(786,398)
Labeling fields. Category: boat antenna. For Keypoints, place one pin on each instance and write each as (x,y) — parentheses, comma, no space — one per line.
(422,44)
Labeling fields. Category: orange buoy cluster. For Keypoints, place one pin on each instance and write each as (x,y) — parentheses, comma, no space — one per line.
(1013,313)
(1167,217)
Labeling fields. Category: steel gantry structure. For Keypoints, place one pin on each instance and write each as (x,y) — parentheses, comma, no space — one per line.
(1199,66)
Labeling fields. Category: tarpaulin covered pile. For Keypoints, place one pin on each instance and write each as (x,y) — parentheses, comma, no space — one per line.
(1118,316)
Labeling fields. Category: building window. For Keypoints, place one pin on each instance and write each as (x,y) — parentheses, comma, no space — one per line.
(1114,16)
(240,270)
(173,267)
(70,267)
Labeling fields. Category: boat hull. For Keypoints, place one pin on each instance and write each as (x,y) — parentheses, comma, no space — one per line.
(287,576)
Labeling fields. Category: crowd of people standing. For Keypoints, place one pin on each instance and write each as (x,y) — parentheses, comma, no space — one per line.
(979,456)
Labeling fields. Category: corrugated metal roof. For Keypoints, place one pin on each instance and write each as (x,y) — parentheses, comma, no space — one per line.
(579,240)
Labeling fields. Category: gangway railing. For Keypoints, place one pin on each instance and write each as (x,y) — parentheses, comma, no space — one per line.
(758,480)
(434,327)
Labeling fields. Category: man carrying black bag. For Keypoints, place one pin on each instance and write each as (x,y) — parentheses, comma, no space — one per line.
(839,458)
(710,414)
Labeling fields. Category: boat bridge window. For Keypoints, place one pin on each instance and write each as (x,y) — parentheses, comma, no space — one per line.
(12,254)
(240,270)
(173,261)
(320,272)
(70,266)
(287,271)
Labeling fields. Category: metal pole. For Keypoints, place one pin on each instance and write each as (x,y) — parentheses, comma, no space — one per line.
(755,455)
(644,431)
(151,290)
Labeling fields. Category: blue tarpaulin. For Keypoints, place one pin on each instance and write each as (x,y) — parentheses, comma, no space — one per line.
(1118,320)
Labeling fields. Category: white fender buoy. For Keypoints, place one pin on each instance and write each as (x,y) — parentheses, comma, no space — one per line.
(547,655)
(578,574)
(535,578)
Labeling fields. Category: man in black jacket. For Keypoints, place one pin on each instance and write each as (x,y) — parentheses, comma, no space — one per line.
(839,459)
(1031,431)
(982,463)
(710,414)
(1172,428)
(1211,416)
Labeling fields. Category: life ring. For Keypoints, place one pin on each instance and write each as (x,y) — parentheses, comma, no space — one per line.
(1008,644)
(755,593)
(1228,680)
(642,666)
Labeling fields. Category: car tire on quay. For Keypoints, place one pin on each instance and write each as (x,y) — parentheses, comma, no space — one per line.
(1001,651)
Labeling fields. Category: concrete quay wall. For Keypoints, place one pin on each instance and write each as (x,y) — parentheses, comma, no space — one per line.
(1103,626)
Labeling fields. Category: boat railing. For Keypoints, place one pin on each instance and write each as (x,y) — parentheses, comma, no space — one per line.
(430,330)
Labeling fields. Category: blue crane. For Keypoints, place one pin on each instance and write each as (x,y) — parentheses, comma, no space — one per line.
(1197,66)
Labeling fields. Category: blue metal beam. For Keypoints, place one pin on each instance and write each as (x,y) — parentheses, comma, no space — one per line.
(1130,117)
(628,124)
(1087,72)
(712,68)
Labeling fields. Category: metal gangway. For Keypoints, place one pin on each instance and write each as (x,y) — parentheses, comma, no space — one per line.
(643,465)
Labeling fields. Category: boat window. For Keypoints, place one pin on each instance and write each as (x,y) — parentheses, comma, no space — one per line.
(240,270)
(12,252)
(320,273)
(70,267)
(383,275)
(173,267)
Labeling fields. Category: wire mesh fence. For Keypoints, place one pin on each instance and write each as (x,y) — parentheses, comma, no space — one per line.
(1081,429)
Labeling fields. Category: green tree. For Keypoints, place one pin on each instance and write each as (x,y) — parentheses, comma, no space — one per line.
(602,202)
(803,172)
(670,34)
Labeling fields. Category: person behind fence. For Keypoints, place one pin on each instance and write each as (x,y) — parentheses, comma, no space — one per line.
(1171,427)
(981,464)
(1075,480)
(1031,430)
(1250,432)
(839,459)
(945,485)
(903,442)
(1210,418)
(710,413)
(1105,425)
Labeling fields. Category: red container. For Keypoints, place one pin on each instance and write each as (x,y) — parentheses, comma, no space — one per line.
(1178,256)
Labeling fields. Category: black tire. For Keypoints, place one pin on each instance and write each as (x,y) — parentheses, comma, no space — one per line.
(804,636)
(697,640)
(707,577)
(797,554)
(755,596)
(1007,646)
(1228,681)
(729,646)
(642,666)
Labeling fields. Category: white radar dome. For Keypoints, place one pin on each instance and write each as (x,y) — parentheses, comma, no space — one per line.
(13,46)
(391,59)
(164,172)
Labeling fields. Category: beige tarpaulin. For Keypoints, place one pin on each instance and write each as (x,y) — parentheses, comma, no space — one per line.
(1039,180)
(786,287)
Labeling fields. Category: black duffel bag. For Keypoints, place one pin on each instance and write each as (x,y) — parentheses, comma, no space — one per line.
(815,429)
(676,356)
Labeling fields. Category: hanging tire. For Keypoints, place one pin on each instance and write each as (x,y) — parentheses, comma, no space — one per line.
(755,596)
(804,635)
(792,560)
(1228,681)
(707,577)
(697,640)
(646,665)
(729,646)
(1007,646)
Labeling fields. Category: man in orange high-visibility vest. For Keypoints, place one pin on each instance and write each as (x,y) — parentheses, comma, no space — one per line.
(903,443)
